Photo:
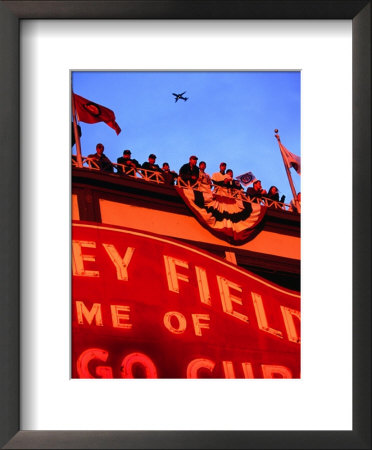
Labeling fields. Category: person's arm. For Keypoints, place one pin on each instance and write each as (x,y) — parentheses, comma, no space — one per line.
(119,169)
(237,185)
(215,181)
(194,176)
(251,193)
(108,164)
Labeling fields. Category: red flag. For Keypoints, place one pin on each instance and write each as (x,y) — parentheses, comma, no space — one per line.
(90,112)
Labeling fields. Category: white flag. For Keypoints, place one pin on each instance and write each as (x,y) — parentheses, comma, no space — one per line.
(246,178)
(292,159)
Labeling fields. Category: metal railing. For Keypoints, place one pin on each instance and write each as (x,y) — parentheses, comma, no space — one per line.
(156,177)
(145,174)
(88,163)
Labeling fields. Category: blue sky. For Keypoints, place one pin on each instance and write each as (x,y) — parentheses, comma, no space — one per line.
(230,117)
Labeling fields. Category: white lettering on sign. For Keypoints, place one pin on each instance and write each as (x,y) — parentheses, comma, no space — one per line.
(269,371)
(95,312)
(148,369)
(196,318)
(89,355)
(201,277)
(196,364)
(121,264)
(228,369)
(288,314)
(247,370)
(118,316)
(176,322)
(141,359)
(228,299)
(78,259)
(261,316)
(181,320)
(171,271)
(181,325)
(233,299)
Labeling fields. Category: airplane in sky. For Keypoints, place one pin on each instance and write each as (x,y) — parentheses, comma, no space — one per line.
(180,96)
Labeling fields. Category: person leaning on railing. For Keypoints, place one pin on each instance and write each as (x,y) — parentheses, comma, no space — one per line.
(101,160)
(256,192)
(189,172)
(130,165)
(204,178)
(229,181)
(273,195)
(219,177)
(150,164)
(169,176)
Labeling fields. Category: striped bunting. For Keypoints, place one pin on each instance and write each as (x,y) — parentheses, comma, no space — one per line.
(231,219)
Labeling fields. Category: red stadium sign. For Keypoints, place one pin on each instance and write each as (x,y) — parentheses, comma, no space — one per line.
(144,306)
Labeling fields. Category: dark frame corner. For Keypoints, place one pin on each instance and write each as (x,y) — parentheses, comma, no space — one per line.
(11,12)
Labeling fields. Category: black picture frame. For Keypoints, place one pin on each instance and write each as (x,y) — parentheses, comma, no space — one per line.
(11,12)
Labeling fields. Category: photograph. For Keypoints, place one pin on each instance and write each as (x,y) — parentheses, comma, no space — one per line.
(152,225)
(186,224)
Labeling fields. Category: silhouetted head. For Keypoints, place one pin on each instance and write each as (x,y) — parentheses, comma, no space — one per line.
(127,154)
(273,190)
(257,185)
(193,160)
(99,149)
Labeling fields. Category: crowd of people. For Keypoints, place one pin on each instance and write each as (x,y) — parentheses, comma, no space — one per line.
(190,173)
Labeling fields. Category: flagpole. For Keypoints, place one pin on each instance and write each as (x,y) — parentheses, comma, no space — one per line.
(288,171)
(76,133)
